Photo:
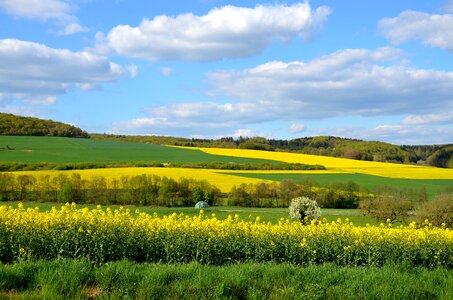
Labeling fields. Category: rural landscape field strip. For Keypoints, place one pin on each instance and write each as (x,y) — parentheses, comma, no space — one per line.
(66,150)
(432,186)
(341,165)
(223,181)
(106,235)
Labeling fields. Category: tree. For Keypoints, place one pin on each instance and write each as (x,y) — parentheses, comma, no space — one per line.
(304,209)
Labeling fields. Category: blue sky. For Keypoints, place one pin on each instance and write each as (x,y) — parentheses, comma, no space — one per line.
(374,70)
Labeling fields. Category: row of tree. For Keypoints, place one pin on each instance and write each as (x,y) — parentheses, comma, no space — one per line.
(163,191)
(17,166)
(134,190)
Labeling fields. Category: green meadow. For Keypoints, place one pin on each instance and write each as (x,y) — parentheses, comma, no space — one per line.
(432,186)
(34,149)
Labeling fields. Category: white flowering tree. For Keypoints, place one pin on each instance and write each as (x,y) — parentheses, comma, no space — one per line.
(304,209)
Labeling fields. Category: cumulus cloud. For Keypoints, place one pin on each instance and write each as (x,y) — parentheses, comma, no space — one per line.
(351,82)
(297,128)
(226,32)
(431,29)
(35,73)
(348,82)
(58,11)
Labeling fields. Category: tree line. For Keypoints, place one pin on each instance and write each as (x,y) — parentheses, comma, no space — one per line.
(164,191)
(128,190)
(18,166)
(17,125)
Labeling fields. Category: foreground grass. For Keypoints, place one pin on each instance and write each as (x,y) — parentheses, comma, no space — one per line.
(272,215)
(74,279)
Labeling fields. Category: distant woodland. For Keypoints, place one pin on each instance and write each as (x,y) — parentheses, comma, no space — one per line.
(432,155)
(16,125)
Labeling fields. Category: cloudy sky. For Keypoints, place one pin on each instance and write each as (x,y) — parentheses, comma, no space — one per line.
(375,70)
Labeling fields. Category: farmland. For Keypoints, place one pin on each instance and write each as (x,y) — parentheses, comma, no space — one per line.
(183,240)
(72,150)
(342,165)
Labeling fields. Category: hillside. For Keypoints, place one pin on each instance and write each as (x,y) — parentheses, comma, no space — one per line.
(432,155)
(26,126)
(36,149)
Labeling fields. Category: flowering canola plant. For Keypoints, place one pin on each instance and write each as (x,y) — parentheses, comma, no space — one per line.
(103,235)
(338,165)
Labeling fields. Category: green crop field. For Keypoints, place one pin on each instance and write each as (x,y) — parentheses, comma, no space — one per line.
(33,149)
(432,185)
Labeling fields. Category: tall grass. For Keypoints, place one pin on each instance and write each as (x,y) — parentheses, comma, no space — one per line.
(78,279)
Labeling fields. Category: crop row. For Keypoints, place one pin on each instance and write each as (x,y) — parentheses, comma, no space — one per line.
(105,235)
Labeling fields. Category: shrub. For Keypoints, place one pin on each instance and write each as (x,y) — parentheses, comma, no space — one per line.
(304,209)
(386,207)
(438,211)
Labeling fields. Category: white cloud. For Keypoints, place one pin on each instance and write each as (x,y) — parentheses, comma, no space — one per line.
(399,134)
(166,71)
(352,82)
(59,11)
(244,133)
(173,127)
(348,82)
(133,71)
(445,117)
(35,73)
(297,128)
(430,29)
(72,28)
(226,32)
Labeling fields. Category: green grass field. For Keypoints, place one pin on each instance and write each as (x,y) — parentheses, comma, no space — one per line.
(33,149)
(433,186)
(272,215)
(79,279)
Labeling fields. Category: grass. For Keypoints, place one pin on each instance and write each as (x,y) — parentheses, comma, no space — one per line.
(75,279)
(432,186)
(272,215)
(33,149)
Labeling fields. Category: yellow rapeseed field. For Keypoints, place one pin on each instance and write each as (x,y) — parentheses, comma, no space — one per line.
(338,165)
(105,235)
(223,181)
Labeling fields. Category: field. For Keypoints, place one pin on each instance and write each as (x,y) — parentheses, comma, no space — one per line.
(104,235)
(86,251)
(67,150)
(341,165)
(272,215)
(369,174)
(432,186)
(78,279)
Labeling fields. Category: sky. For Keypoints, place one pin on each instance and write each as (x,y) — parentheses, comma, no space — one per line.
(372,70)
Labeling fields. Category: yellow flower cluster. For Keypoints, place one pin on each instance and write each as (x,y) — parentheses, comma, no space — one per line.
(338,165)
(105,235)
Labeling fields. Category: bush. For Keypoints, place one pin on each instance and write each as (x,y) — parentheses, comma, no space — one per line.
(386,207)
(304,209)
(438,212)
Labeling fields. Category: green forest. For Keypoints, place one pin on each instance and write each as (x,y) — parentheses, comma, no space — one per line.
(16,125)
